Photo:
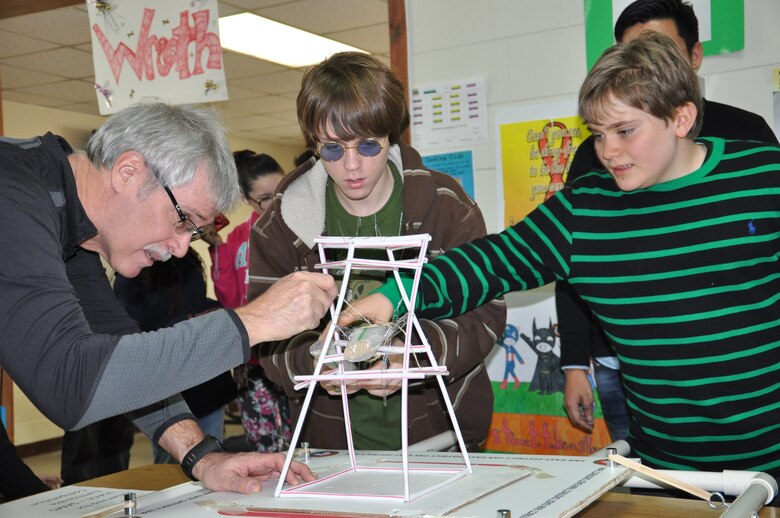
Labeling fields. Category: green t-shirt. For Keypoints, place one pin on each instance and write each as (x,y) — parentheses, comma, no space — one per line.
(376,423)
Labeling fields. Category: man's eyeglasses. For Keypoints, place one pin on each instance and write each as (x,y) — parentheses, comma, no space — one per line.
(332,151)
(185,224)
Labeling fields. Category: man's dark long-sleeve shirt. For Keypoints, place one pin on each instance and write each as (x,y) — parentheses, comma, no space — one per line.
(65,338)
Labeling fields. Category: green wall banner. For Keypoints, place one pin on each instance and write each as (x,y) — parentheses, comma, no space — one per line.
(721,25)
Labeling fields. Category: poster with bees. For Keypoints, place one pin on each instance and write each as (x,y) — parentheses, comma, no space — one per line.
(167,51)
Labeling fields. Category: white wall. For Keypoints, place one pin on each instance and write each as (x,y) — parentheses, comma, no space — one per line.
(533,51)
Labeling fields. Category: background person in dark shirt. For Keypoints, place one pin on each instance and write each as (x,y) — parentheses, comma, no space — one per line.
(163,295)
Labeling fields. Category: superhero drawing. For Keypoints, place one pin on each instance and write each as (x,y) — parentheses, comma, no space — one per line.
(548,377)
(507,342)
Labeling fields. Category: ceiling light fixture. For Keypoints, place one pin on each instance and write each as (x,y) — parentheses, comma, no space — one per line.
(266,39)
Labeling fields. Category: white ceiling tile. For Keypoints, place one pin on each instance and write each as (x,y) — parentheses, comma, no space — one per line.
(319,16)
(13,77)
(276,83)
(72,90)
(64,61)
(288,131)
(240,65)
(227,10)
(12,44)
(248,5)
(36,100)
(290,135)
(65,26)
(373,38)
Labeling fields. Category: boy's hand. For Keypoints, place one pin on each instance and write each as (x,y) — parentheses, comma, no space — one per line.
(578,399)
(374,308)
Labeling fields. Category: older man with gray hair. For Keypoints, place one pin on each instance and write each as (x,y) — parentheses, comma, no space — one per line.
(151,177)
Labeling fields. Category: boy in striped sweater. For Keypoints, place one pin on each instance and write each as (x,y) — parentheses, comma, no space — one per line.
(675,248)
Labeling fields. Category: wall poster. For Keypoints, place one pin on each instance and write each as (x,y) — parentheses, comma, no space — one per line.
(537,145)
(451,114)
(458,164)
(524,368)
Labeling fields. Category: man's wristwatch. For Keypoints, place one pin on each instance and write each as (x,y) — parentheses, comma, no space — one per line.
(208,445)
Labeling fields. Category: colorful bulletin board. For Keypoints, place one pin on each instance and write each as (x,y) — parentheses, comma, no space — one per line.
(164,50)
(721,25)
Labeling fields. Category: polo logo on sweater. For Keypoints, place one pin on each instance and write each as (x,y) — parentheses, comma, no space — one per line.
(751,228)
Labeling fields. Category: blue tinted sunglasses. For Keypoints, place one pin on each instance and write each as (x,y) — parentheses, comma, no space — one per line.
(332,151)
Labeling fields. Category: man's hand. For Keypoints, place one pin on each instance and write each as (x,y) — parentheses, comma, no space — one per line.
(245,472)
(578,399)
(295,303)
(239,472)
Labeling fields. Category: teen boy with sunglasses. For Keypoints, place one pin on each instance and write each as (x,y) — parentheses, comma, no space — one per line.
(367,182)
(674,247)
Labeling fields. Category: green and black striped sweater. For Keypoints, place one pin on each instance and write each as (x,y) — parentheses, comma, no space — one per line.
(685,278)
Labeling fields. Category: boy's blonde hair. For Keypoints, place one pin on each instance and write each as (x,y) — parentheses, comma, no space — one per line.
(649,73)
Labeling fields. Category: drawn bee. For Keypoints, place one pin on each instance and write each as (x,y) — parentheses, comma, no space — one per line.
(209,85)
(107,10)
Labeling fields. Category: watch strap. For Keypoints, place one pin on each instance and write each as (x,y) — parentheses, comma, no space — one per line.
(209,444)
